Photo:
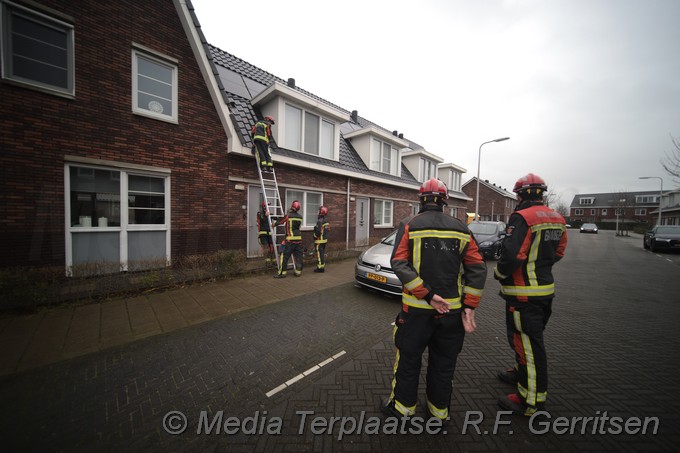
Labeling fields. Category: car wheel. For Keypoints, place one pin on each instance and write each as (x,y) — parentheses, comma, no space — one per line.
(644,244)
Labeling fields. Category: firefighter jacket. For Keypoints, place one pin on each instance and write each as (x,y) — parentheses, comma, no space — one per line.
(536,239)
(293,222)
(262,224)
(262,131)
(435,253)
(321,230)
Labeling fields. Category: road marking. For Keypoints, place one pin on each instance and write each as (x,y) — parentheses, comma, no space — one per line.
(293,380)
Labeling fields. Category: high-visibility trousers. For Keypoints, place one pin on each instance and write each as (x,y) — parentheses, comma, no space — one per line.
(443,336)
(525,323)
(320,255)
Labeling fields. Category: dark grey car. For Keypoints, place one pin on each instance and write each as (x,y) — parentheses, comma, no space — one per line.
(489,237)
(662,237)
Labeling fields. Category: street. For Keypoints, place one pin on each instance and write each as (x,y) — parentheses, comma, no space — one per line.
(307,374)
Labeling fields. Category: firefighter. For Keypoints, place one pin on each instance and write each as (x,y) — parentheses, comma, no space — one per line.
(293,246)
(264,234)
(437,260)
(321,230)
(261,134)
(535,240)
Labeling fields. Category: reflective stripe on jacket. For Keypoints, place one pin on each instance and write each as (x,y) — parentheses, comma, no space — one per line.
(261,131)
(435,253)
(293,222)
(321,230)
(536,240)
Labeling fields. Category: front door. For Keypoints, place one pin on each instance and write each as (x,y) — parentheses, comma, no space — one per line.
(363,211)
(254,203)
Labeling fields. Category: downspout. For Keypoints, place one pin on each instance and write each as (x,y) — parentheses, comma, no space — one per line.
(348,214)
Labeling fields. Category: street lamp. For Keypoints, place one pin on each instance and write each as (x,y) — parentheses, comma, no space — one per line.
(479,159)
(660,192)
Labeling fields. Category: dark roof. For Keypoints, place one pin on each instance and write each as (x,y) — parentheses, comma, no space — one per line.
(609,199)
(240,81)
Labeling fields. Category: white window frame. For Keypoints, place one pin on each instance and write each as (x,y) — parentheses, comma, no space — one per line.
(9,10)
(125,226)
(160,60)
(593,212)
(303,204)
(578,212)
(378,151)
(640,211)
(586,201)
(383,221)
(297,142)
(604,212)
(428,169)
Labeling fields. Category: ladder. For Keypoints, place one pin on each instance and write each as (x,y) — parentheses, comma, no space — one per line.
(270,192)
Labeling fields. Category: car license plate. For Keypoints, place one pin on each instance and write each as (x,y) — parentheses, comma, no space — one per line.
(377,278)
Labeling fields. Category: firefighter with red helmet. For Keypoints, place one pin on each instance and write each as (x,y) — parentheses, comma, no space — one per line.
(321,230)
(261,134)
(293,244)
(535,240)
(443,274)
(264,234)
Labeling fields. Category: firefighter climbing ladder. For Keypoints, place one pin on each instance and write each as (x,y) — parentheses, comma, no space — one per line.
(270,192)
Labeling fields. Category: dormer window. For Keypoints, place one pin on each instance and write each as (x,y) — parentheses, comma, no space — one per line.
(428,169)
(308,133)
(586,200)
(384,158)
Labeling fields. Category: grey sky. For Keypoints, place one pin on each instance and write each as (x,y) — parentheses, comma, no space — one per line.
(588,90)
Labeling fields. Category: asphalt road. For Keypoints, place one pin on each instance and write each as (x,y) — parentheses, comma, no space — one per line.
(307,374)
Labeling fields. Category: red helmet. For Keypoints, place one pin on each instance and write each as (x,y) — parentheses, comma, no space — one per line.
(295,206)
(434,187)
(528,182)
(323,211)
(269,119)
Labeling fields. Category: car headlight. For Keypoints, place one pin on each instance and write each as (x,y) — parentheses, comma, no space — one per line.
(486,244)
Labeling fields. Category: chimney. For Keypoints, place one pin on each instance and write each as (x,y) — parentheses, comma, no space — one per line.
(395,133)
(401,135)
(355,116)
(291,82)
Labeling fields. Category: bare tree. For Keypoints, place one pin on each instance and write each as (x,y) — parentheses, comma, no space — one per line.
(671,163)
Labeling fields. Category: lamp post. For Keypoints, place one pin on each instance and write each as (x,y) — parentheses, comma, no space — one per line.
(479,159)
(660,192)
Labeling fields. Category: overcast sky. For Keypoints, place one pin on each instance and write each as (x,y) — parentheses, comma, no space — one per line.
(587,90)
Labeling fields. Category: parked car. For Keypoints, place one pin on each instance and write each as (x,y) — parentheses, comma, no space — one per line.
(373,269)
(662,237)
(589,228)
(489,237)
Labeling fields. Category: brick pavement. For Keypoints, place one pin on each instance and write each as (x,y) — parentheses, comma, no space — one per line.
(55,334)
(612,345)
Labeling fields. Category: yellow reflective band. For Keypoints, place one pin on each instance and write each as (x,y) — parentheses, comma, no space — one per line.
(531,260)
(404,410)
(530,393)
(538,290)
(498,274)
(320,241)
(472,291)
(439,413)
(420,234)
(413,283)
(548,226)
(413,301)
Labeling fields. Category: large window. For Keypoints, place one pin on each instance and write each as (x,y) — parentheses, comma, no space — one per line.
(37,49)
(382,213)
(154,86)
(647,199)
(588,200)
(428,169)
(384,158)
(313,135)
(117,219)
(578,212)
(310,202)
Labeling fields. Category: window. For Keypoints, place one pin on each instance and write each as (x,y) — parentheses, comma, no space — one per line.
(315,135)
(117,218)
(589,200)
(604,212)
(37,50)
(640,211)
(310,203)
(154,86)
(382,213)
(384,158)
(428,169)
(578,211)
(646,199)
(593,211)
(619,211)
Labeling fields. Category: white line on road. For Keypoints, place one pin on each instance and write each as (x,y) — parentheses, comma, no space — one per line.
(293,380)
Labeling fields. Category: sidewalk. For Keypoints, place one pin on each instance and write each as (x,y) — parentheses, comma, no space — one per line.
(30,341)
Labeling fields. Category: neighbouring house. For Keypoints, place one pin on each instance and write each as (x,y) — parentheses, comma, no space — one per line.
(126,142)
(606,209)
(495,203)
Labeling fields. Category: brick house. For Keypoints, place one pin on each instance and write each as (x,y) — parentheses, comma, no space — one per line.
(129,145)
(631,208)
(495,203)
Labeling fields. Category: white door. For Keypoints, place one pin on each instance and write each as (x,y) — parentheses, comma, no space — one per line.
(362,221)
(254,203)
